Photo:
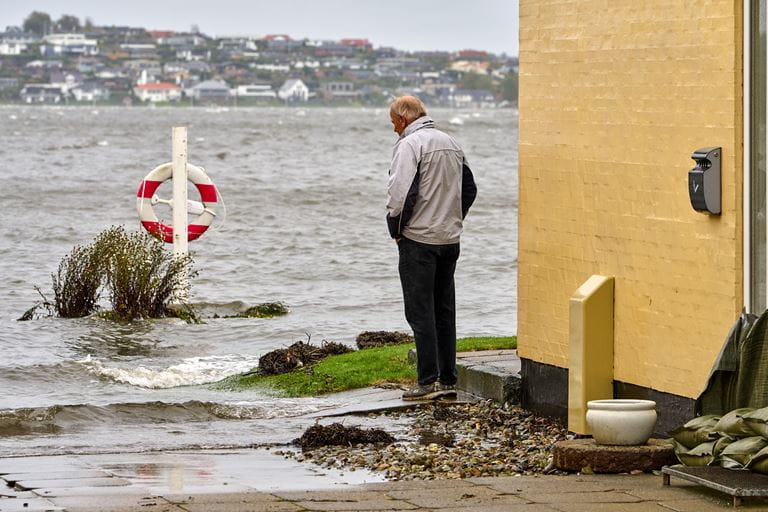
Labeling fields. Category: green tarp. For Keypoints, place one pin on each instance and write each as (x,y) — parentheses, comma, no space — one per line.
(740,375)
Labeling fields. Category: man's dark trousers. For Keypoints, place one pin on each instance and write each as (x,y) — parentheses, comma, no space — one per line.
(426,273)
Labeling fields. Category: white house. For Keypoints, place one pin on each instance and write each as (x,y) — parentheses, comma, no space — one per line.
(90,91)
(157,91)
(65,80)
(69,44)
(255,91)
(45,64)
(463,98)
(293,90)
(193,54)
(272,67)
(12,47)
(14,41)
(42,93)
(301,64)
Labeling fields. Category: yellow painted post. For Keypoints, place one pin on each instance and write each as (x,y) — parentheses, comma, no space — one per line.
(590,366)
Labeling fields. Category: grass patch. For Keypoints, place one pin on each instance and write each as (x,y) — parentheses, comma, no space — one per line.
(354,370)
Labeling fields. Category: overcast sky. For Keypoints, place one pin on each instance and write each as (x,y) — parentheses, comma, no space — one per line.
(490,25)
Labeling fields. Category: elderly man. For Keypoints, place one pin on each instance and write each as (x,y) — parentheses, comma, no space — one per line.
(430,191)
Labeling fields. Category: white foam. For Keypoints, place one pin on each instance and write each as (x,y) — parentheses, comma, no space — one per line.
(191,371)
(456,121)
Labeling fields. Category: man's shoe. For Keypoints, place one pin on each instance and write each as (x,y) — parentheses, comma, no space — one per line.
(445,389)
(422,392)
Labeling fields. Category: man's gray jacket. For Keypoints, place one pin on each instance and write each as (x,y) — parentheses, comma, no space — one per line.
(431,186)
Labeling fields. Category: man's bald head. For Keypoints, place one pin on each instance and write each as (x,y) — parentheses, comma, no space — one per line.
(408,107)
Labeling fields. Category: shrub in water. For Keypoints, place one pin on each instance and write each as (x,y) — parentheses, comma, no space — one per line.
(142,276)
(76,283)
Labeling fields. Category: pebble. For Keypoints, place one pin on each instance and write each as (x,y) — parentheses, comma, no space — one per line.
(487,440)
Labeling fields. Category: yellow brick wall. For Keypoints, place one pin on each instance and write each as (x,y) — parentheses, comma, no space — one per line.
(614,97)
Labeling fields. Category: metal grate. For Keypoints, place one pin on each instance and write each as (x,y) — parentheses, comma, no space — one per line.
(736,483)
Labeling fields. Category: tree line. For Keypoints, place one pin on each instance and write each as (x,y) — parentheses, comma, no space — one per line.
(41,23)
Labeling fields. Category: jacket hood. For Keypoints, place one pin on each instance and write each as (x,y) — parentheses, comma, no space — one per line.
(418,124)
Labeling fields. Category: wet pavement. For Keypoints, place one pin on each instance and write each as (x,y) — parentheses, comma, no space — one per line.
(256,480)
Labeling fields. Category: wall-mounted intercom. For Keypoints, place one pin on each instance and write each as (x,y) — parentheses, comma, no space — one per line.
(704,180)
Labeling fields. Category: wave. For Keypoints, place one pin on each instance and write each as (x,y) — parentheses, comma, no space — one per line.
(57,419)
(190,372)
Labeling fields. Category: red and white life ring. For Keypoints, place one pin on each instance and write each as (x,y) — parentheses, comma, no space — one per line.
(144,202)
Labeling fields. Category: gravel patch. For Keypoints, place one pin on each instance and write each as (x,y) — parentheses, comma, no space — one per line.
(451,441)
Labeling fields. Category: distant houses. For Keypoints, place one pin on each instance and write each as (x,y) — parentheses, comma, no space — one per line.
(121,64)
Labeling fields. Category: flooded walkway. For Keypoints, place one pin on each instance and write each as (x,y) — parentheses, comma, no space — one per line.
(256,481)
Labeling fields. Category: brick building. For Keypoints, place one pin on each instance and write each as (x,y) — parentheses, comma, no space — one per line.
(614,98)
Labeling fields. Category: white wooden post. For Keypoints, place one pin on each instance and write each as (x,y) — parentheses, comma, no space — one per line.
(179,149)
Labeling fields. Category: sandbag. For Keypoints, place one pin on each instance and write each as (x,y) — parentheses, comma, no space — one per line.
(757,420)
(743,450)
(733,425)
(759,462)
(701,455)
(698,430)
(721,443)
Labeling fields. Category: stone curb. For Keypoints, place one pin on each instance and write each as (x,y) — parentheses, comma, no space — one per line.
(479,376)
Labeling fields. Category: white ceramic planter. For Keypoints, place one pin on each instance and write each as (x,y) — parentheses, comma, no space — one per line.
(621,422)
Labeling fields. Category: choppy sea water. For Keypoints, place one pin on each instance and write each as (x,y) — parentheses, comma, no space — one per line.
(304,193)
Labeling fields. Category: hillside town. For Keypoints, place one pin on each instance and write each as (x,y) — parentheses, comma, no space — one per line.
(64,61)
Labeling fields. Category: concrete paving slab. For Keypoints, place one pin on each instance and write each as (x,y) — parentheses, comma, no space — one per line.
(191,490)
(564,484)
(264,506)
(701,505)
(91,491)
(33,505)
(356,505)
(27,485)
(108,502)
(528,507)
(673,493)
(347,495)
(55,475)
(419,484)
(437,500)
(611,507)
(455,494)
(510,353)
(580,497)
(160,507)
(250,496)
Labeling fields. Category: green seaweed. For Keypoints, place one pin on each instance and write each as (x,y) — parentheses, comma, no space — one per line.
(264,310)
